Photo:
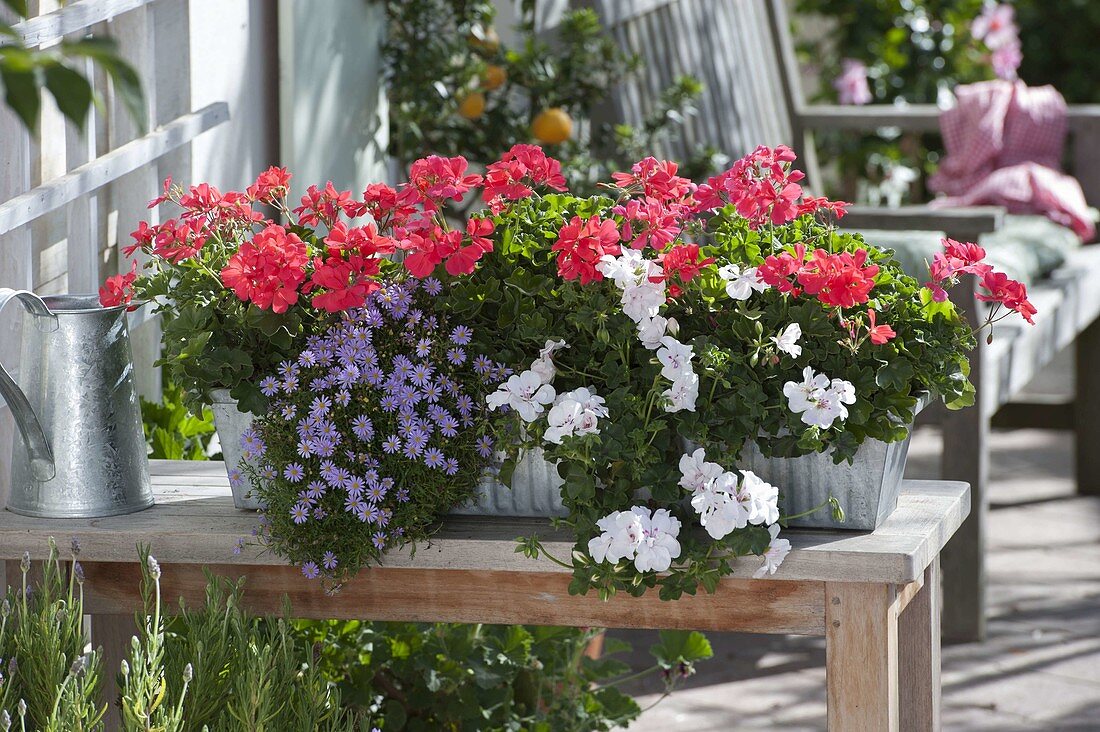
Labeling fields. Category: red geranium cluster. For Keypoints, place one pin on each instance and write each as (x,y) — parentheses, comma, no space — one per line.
(118,289)
(664,204)
(582,243)
(764,189)
(512,178)
(268,269)
(840,280)
(959,258)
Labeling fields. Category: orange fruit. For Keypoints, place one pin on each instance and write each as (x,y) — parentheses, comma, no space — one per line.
(552,126)
(472,106)
(493,77)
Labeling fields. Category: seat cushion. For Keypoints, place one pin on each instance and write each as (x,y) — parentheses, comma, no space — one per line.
(1026,248)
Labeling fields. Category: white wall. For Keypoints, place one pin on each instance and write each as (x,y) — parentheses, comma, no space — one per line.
(331,101)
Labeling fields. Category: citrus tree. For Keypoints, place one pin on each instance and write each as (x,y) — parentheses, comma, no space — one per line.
(455,89)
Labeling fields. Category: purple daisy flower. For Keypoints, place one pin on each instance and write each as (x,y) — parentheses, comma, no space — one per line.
(403,495)
(388,403)
(288,370)
(421,374)
(485,446)
(461,335)
(235,478)
(299,512)
(432,286)
(289,412)
(433,457)
(343,397)
(448,426)
(310,570)
(450,466)
(431,393)
(307,358)
(290,385)
(418,440)
(456,356)
(329,561)
(363,428)
(374,375)
(423,347)
(376,493)
(465,404)
(316,489)
(482,365)
(320,407)
(269,386)
(379,540)
(268,472)
(305,449)
(294,472)
(391,444)
(355,485)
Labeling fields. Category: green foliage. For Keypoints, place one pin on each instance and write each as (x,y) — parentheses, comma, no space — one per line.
(438,52)
(172,431)
(489,677)
(25,72)
(49,683)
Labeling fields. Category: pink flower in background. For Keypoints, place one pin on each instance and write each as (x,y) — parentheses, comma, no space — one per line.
(1006,60)
(995,26)
(851,86)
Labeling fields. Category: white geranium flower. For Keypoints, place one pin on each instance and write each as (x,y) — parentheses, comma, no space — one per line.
(658,545)
(622,530)
(777,551)
(574,413)
(652,330)
(787,341)
(629,268)
(544,364)
(844,390)
(801,397)
(683,393)
(643,300)
(720,511)
(763,498)
(526,393)
(696,473)
(675,358)
(740,284)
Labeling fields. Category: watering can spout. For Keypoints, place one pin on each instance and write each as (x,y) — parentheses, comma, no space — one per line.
(38,447)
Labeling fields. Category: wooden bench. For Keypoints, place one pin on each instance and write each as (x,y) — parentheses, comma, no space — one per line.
(874,596)
(743,52)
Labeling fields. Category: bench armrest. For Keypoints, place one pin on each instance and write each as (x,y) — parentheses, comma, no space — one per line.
(911,118)
(964,224)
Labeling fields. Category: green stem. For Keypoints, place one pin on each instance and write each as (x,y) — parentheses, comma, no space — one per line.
(815,509)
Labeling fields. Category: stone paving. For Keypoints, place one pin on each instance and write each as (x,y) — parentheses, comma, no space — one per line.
(1040,667)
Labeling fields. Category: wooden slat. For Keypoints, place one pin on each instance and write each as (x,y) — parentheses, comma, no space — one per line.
(73,18)
(486,597)
(92,176)
(911,117)
(919,657)
(861,657)
(964,223)
(197,524)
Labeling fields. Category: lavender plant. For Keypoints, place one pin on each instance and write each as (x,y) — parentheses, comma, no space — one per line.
(375,431)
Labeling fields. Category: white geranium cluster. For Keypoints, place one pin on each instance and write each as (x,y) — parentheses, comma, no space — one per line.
(647,539)
(642,283)
(723,501)
(819,399)
(573,413)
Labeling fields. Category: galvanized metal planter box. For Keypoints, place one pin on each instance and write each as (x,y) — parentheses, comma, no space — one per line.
(231,424)
(535,492)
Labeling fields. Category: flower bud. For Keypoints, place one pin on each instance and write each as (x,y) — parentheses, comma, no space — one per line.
(25,562)
(75,547)
(78,668)
(672,327)
(188,674)
(5,608)
(5,720)
(79,572)
(21,707)
(154,567)
(125,668)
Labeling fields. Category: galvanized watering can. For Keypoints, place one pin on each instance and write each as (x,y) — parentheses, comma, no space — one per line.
(82,452)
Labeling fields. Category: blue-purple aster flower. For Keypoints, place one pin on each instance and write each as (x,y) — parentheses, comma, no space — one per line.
(290,385)
(310,570)
(320,407)
(485,446)
(448,426)
(421,374)
(482,365)
(288,412)
(434,458)
(307,358)
(450,466)
(456,356)
(379,540)
(288,370)
(461,335)
(329,561)
(391,444)
(294,472)
(269,386)
(299,512)
(423,347)
(432,286)
(363,428)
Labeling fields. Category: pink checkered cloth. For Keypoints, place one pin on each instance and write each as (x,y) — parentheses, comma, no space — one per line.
(1004,144)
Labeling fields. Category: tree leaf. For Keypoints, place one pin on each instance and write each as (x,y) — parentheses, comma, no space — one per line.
(71,91)
(21,93)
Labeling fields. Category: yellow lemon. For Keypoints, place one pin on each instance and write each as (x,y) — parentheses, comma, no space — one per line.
(493,77)
(472,105)
(552,126)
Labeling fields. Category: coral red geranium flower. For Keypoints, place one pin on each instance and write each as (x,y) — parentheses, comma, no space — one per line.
(268,269)
(1008,292)
(118,289)
(879,334)
(270,186)
(518,170)
(346,282)
(439,178)
(580,245)
(684,262)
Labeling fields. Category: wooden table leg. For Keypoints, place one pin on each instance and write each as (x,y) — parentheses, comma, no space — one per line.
(861,656)
(113,634)
(919,657)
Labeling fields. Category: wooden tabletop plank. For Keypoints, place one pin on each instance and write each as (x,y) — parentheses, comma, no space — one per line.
(194,522)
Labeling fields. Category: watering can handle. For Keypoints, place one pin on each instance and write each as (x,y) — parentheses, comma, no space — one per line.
(38,447)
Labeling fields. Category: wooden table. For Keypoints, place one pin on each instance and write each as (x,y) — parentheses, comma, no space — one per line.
(874,596)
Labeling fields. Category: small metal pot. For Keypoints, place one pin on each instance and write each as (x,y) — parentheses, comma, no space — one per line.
(231,423)
(535,491)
